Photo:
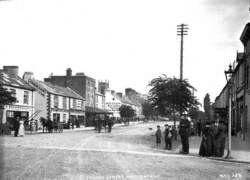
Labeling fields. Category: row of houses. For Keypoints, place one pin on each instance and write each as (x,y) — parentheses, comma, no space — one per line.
(238,89)
(66,98)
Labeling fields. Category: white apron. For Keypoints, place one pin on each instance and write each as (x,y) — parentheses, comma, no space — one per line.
(21,129)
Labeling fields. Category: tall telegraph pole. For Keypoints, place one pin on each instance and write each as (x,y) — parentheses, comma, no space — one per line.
(182,30)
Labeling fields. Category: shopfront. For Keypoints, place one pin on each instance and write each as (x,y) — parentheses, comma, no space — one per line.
(11,112)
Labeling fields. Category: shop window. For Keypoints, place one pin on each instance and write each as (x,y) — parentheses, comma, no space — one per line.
(26,97)
(10,114)
(24,114)
(64,118)
(56,117)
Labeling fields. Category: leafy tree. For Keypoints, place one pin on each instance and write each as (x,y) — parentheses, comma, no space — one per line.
(171,95)
(126,112)
(6,97)
(207,106)
(147,109)
(193,113)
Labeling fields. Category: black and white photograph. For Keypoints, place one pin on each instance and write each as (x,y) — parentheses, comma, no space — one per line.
(124,90)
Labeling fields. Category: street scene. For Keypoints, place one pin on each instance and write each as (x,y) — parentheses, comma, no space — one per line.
(128,152)
(135,89)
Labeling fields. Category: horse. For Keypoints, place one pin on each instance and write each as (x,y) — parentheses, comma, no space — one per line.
(57,127)
(47,125)
(105,124)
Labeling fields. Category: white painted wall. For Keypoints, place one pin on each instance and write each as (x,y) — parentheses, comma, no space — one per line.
(20,96)
(19,105)
(112,103)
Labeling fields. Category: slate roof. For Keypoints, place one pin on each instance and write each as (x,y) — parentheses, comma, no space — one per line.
(239,56)
(13,81)
(245,36)
(54,89)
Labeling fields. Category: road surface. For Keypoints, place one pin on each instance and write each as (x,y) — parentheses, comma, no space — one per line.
(128,152)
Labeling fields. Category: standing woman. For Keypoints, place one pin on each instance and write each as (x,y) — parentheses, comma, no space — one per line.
(204,141)
(21,128)
(206,147)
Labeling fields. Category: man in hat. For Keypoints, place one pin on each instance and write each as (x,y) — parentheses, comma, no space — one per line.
(184,134)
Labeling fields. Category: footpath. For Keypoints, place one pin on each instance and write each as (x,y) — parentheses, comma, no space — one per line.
(240,149)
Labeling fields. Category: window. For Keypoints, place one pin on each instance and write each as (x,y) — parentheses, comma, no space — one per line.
(64,118)
(10,114)
(78,104)
(64,103)
(56,101)
(56,117)
(26,97)
(24,114)
(13,92)
(74,103)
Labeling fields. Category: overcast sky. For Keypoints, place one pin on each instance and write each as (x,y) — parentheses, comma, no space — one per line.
(128,42)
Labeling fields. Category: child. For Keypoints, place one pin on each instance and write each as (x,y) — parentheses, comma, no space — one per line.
(158,136)
(168,137)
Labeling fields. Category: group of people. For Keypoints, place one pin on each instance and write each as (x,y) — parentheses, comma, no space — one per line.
(167,134)
(18,126)
(170,132)
(213,139)
(106,123)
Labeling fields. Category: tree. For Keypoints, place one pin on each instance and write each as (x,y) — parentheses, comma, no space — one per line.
(147,109)
(193,113)
(126,112)
(6,97)
(171,95)
(207,106)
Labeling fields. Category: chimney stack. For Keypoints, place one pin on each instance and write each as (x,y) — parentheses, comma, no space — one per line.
(11,70)
(27,76)
(68,72)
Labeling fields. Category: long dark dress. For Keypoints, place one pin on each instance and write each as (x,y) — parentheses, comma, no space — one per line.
(206,146)
(220,141)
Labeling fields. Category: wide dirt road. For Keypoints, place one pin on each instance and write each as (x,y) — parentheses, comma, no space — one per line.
(127,153)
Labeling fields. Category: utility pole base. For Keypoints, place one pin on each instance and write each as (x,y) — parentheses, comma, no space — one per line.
(228,156)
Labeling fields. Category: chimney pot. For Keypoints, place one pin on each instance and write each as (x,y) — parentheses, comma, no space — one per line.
(68,72)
